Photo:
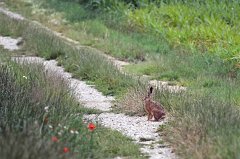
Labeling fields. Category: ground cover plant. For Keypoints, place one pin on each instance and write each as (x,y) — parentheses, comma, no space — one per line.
(206,118)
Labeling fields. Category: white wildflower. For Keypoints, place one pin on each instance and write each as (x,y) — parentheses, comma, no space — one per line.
(76,132)
(71,131)
(50,126)
(25,77)
(46,109)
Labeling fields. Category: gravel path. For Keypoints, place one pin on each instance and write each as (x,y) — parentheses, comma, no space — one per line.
(138,128)
(85,94)
(143,132)
(9,43)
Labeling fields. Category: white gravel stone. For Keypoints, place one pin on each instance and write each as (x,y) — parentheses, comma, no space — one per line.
(10,43)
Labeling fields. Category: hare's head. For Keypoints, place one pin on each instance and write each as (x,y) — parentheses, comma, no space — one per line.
(149,94)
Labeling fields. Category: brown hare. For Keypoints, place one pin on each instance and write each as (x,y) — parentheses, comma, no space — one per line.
(153,109)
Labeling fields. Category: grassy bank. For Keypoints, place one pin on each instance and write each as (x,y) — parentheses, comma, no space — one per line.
(81,61)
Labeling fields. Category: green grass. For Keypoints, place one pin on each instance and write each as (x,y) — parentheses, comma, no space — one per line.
(83,62)
(207,26)
(113,143)
(199,72)
(16,27)
(25,93)
(185,70)
(92,30)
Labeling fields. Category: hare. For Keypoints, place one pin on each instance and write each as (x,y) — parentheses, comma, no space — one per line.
(153,109)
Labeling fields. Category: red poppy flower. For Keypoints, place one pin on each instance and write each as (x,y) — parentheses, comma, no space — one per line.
(66,150)
(54,139)
(91,126)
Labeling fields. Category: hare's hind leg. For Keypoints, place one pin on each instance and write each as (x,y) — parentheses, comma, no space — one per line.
(156,118)
(150,115)
(158,115)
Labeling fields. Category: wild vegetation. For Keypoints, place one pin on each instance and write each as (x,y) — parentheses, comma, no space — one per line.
(38,112)
(192,43)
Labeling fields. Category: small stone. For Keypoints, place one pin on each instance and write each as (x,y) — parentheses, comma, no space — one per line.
(142,139)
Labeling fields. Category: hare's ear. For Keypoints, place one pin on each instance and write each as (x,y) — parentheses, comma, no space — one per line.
(151,90)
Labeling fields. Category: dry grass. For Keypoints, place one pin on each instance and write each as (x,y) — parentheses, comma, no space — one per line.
(192,140)
(132,102)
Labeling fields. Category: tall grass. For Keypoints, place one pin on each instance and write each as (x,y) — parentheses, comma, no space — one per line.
(84,62)
(177,66)
(16,26)
(203,127)
(25,94)
(36,106)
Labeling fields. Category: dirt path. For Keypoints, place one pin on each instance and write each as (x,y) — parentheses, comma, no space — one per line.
(143,132)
